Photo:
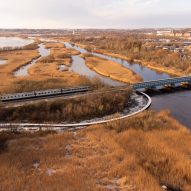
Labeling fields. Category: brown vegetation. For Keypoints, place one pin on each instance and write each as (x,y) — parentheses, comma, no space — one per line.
(111,69)
(15,59)
(72,110)
(69,80)
(32,46)
(44,74)
(132,47)
(143,153)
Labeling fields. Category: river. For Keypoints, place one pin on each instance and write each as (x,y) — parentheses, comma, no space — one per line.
(23,71)
(178,103)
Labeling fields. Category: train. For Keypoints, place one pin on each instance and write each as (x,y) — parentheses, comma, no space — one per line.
(43,93)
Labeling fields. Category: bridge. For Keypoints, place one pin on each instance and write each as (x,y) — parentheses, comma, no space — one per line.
(173,82)
(154,84)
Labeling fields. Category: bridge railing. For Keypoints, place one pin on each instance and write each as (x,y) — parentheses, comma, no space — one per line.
(162,82)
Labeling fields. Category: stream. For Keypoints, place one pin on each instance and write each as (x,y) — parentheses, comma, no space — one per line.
(23,71)
(178,103)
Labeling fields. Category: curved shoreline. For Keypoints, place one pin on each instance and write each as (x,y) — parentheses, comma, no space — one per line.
(169,71)
(16,70)
(69,127)
(114,77)
(22,70)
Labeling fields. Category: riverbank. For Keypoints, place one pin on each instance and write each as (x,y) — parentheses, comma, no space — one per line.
(14,60)
(49,67)
(110,69)
(151,65)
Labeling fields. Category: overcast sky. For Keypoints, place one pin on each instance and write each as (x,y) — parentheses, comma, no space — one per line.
(94,13)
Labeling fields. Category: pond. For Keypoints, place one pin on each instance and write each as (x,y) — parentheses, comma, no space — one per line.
(14,42)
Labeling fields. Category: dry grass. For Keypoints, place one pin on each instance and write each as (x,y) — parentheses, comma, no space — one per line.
(30,84)
(49,66)
(151,65)
(111,69)
(44,74)
(69,110)
(15,59)
(133,48)
(139,154)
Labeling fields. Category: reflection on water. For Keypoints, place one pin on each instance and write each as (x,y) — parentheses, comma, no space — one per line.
(178,103)
(23,71)
(14,42)
(79,66)
(145,73)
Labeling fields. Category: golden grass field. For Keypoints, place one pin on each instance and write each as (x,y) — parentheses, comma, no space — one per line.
(44,72)
(49,65)
(142,153)
(15,59)
(151,65)
(111,69)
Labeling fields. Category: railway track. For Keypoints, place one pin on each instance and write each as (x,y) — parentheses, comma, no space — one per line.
(68,127)
(71,95)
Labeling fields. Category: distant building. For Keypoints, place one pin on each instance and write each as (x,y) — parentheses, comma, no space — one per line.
(165,33)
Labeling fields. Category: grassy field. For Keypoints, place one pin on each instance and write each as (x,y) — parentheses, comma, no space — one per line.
(111,69)
(45,74)
(49,66)
(152,65)
(142,153)
(15,59)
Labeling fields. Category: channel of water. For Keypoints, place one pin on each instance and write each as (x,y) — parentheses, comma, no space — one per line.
(178,103)
(23,71)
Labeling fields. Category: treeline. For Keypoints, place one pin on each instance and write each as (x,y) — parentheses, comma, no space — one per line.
(135,47)
(71,110)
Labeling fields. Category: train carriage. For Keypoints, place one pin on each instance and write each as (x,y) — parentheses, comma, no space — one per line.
(48,92)
(43,93)
(17,96)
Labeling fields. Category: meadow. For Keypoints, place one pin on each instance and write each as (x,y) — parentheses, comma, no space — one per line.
(148,152)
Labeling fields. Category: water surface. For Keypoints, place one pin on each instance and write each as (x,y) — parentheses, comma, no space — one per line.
(145,73)
(79,66)
(178,103)
(23,71)
(14,42)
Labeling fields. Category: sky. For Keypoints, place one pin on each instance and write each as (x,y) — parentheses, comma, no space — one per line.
(124,14)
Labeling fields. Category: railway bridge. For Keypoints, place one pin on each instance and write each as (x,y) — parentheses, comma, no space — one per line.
(172,82)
